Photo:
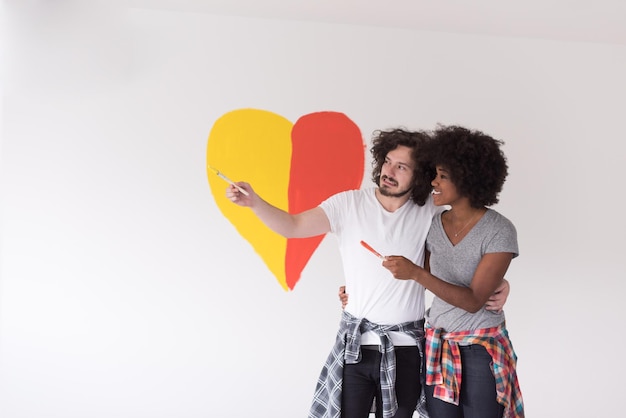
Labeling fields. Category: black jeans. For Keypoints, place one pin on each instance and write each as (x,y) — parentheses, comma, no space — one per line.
(478,389)
(361,383)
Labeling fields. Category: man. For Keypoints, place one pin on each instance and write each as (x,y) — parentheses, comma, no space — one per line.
(378,352)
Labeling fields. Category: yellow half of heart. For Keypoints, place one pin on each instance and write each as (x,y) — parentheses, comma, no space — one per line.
(253,145)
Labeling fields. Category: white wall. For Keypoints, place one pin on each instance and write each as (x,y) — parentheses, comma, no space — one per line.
(126,293)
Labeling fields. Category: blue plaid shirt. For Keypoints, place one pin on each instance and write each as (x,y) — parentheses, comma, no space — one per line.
(347,350)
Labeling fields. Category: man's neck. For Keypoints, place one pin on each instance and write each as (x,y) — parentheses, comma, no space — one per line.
(392,203)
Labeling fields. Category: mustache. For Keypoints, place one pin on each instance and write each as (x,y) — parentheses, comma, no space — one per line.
(389,179)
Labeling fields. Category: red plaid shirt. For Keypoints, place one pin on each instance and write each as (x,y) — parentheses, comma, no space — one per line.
(443,365)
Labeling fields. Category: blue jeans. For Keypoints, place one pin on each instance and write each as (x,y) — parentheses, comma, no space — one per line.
(361,383)
(478,389)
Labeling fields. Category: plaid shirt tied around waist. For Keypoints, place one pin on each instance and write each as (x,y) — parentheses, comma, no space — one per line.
(347,350)
(443,365)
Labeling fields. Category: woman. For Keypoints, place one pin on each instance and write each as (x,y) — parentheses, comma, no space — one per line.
(469,250)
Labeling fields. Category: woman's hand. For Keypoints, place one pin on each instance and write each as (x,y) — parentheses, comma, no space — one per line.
(401,267)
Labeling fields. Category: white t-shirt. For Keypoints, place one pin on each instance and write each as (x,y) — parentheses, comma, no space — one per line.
(374,293)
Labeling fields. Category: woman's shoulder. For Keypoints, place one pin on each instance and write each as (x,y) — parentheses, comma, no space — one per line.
(498,222)
(496,216)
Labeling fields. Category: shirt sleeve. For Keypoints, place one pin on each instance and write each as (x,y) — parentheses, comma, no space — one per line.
(333,209)
(504,240)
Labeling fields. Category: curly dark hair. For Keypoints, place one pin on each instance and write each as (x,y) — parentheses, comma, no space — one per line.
(385,141)
(476,164)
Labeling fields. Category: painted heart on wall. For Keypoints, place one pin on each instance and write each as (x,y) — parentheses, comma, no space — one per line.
(293,166)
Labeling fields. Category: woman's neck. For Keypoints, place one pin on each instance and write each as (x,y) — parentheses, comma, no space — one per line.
(460,219)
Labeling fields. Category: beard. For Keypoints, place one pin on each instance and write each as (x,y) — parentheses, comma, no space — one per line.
(385,191)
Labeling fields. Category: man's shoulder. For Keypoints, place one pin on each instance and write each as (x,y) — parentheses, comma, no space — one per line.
(354,193)
(346,198)
(428,207)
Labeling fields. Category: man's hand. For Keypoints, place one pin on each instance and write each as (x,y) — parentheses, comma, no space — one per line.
(343,296)
(498,299)
(234,194)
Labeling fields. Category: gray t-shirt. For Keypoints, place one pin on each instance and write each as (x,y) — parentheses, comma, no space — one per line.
(457,263)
